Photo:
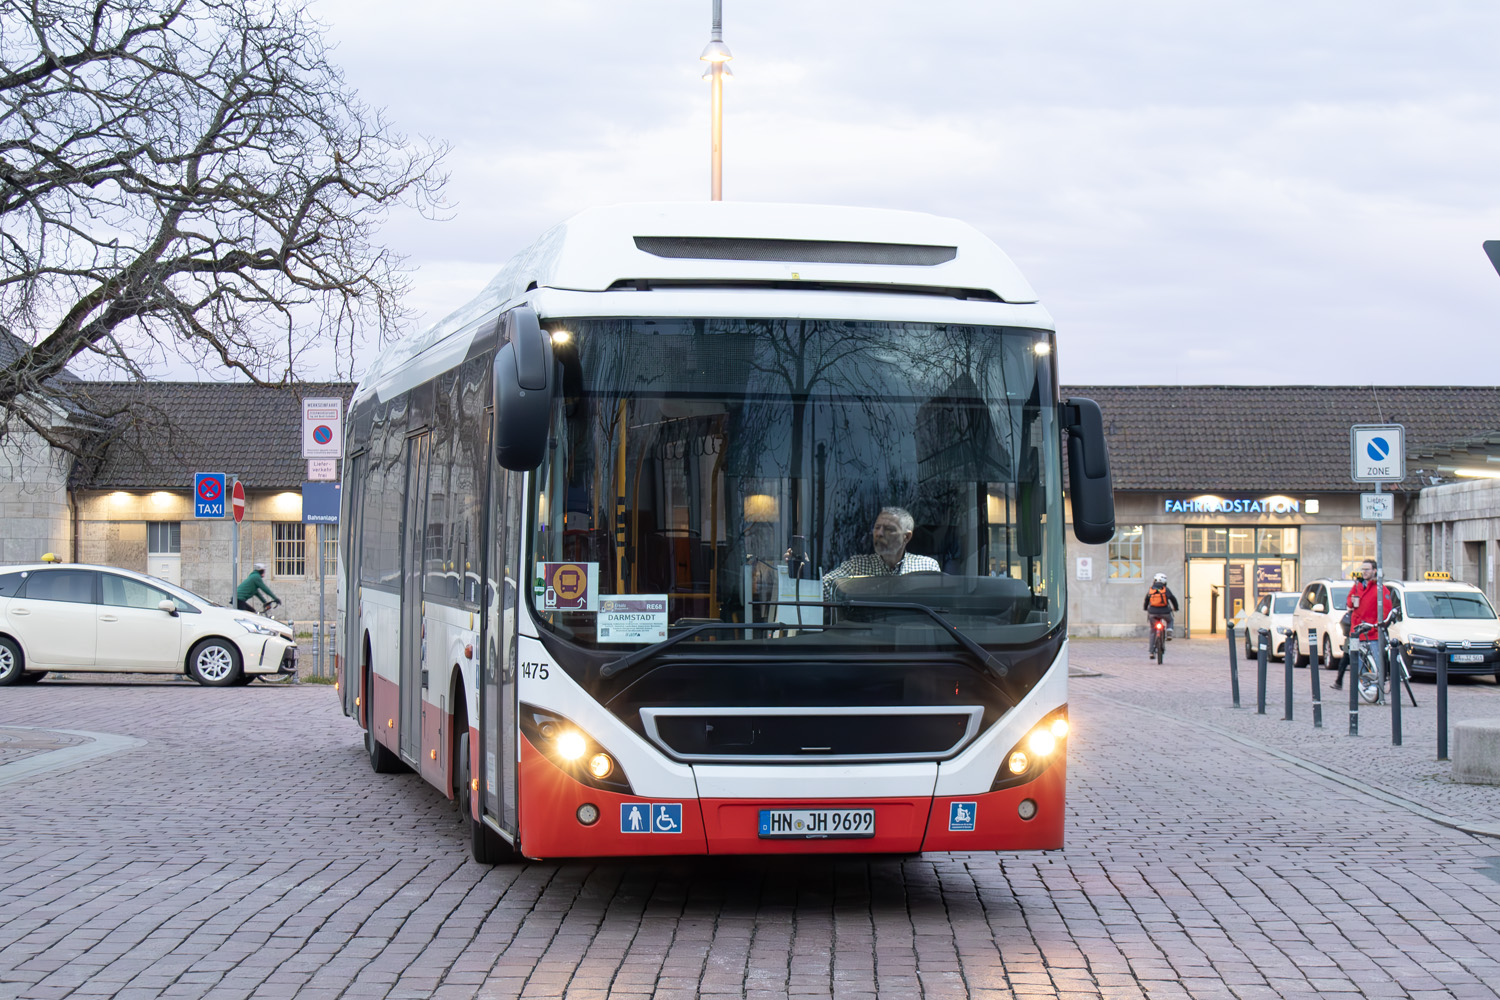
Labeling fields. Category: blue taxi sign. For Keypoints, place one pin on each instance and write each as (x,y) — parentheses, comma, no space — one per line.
(208,494)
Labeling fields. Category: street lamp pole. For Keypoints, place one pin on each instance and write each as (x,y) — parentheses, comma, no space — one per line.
(716,54)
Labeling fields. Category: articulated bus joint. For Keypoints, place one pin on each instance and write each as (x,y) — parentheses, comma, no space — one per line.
(573,751)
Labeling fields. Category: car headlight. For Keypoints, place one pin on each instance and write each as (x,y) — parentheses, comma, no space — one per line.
(1421,640)
(254,627)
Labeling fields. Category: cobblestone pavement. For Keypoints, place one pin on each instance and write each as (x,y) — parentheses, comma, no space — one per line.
(244,848)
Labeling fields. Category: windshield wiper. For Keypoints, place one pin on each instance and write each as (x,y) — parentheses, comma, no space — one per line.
(984,656)
(646,652)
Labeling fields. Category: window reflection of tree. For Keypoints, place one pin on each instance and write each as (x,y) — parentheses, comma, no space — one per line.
(835,419)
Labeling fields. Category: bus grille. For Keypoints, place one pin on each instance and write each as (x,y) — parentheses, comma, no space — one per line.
(812,735)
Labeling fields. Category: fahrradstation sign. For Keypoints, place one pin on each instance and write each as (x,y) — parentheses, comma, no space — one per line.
(1377,453)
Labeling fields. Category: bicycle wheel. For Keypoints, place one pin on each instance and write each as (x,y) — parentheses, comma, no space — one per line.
(1369,684)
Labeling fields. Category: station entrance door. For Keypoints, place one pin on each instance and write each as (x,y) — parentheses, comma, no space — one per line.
(1229,568)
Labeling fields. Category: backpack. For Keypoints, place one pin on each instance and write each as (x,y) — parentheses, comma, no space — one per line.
(1157,597)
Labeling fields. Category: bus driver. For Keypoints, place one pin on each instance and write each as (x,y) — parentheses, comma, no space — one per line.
(891,533)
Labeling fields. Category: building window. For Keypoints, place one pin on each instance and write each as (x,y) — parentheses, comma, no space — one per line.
(291,548)
(164,538)
(1358,545)
(328,538)
(1127,552)
(1207,541)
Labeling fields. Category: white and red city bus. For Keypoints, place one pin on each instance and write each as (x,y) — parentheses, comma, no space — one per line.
(607,569)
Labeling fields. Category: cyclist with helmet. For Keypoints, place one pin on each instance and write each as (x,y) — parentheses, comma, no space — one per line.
(1160,602)
(252,585)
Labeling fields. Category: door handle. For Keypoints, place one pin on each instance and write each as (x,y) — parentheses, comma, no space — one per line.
(108,618)
(19,611)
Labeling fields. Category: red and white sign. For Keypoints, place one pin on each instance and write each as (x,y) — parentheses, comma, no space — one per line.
(322,470)
(238,500)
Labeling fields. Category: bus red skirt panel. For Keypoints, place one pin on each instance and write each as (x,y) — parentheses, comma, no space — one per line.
(635,825)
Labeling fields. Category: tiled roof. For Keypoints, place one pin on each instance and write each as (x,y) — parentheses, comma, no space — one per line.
(179,428)
(1295,438)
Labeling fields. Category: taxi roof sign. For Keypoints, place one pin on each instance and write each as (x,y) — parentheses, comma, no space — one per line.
(1437,574)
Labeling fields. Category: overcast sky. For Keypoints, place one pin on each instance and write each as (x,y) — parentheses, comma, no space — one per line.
(1289,191)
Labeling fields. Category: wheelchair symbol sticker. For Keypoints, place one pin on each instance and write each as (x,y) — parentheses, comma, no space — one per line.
(666,817)
(961,816)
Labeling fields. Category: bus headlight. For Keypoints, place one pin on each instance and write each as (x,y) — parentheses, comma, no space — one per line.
(571,745)
(1042,742)
(1034,752)
(573,750)
(601,764)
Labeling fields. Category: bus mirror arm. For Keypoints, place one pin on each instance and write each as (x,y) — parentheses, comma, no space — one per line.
(1089,478)
(524,380)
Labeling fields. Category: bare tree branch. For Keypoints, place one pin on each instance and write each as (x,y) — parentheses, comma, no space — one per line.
(190,174)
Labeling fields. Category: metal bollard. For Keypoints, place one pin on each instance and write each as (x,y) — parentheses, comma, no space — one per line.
(1261,654)
(1316,662)
(1287,665)
(1394,683)
(1353,681)
(1442,700)
(1234,668)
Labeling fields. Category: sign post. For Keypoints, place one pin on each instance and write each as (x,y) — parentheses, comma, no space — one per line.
(1377,454)
(237,501)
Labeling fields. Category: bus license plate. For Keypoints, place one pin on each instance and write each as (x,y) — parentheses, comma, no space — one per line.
(1468,657)
(817,823)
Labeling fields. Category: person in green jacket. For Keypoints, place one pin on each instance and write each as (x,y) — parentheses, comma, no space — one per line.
(253,584)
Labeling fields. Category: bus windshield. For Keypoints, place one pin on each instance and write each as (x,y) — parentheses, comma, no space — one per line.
(711,471)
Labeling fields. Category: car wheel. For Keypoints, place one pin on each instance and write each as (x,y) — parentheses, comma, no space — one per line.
(12,662)
(1301,659)
(1249,649)
(215,663)
(1327,652)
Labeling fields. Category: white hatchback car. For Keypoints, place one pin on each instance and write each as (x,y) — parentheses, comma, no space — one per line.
(98,618)
(1455,614)
(1274,612)
(1320,609)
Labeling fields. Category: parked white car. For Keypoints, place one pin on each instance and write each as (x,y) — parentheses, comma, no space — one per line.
(1274,612)
(1321,608)
(1456,614)
(99,618)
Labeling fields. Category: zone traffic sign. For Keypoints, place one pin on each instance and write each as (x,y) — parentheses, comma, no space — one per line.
(1377,453)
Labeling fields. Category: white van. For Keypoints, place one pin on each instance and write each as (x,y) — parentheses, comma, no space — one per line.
(1321,609)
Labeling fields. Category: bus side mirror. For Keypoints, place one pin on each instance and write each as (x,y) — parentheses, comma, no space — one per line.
(1088,471)
(523,391)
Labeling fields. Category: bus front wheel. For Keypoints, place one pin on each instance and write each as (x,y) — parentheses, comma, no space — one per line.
(485,843)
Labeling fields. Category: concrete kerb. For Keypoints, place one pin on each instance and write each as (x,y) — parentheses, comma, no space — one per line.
(1463,826)
(1476,751)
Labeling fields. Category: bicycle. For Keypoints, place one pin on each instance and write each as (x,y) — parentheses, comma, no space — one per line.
(1373,679)
(1158,639)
